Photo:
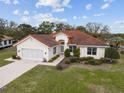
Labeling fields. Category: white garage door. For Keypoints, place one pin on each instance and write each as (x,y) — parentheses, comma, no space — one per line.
(32,54)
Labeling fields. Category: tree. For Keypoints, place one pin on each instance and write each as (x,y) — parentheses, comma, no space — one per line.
(67,53)
(76,52)
(116,41)
(62,27)
(3,24)
(112,53)
(12,24)
(97,28)
(24,30)
(81,28)
(46,27)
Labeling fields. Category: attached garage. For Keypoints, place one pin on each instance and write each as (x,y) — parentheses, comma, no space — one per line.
(32,54)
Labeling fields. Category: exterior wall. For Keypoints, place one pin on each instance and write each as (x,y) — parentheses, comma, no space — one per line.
(51,55)
(100,52)
(62,36)
(31,43)
(7,44)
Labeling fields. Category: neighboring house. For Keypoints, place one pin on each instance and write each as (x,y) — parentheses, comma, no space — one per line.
(5,41)
(40,47)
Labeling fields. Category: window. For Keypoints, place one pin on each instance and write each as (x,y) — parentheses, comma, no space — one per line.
(91,51)
(5,42)
(72,47)
(54,50)
(9,41)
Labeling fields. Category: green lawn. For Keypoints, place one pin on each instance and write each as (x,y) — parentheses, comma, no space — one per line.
(6,53)
(43,79)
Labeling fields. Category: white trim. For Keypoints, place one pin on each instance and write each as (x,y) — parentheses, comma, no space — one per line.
(93,46)
(28,37)
(19,42)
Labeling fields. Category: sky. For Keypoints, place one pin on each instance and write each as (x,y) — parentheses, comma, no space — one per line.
(74,12)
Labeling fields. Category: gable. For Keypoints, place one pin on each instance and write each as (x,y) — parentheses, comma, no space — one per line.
(46,40)
(32,43)
(61,36)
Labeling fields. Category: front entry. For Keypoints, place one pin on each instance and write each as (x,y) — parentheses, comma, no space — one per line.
(62,48)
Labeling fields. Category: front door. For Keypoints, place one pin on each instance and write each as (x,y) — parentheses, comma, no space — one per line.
(62,48)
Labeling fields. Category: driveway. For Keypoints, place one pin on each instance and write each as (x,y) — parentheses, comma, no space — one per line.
(11,71)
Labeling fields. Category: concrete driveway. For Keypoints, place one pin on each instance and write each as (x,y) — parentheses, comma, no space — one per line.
(11,71)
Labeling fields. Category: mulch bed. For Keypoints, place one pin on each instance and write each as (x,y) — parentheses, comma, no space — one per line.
(62,63)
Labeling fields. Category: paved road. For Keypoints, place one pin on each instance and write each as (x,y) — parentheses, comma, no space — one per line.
(11,71)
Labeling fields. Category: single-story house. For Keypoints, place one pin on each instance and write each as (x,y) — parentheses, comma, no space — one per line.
(44,47)
(5,41)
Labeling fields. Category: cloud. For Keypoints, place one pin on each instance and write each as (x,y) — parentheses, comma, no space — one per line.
(118,26)
(15,2)
(99,14)
(26,12)
(107,4)
(25,19)
(16,12)
(47,17)
(80,17)
(59,10)
(88,6)
(57,5)
(66,3)
(108,1)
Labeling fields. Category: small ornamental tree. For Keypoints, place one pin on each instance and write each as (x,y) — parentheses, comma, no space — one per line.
(112,53)
(67,53)
(76,52)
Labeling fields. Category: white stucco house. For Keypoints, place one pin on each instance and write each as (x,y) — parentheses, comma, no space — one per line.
(5,41)
(40,47)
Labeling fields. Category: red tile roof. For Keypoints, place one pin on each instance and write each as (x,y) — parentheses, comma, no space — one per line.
(81,38)
(75,37)
(45,39)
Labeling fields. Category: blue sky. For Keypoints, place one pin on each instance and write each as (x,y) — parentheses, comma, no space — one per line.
(74,12)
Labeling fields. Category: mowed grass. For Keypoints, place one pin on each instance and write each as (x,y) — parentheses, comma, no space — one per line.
(43,79)
(6,53)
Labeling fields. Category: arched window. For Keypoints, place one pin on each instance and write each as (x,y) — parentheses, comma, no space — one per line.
(61,42)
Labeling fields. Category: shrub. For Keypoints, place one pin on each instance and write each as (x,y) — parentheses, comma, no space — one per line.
(122,52)
(92,62)
(59,67)
(74,59)
(16,57)
(54,58)
(99,62)
(85,62)
(67,53)
(86,58)
(13,56)
(67,62)
(103,60)
(76,52)
(112,53)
